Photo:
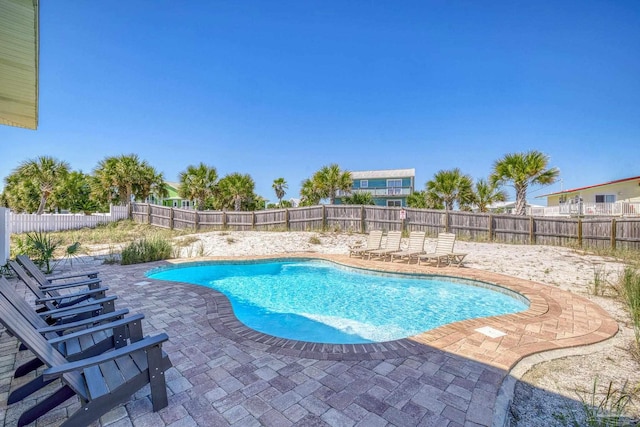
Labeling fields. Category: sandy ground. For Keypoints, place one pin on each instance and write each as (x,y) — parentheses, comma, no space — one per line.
(547,393)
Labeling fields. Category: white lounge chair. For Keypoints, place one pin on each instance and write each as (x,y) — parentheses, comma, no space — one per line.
(391,245)
(416,247)
(444,252)
(373,242)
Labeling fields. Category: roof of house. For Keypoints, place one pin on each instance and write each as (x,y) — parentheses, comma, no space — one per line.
(172,188)
(573,190)
(386,173)
(510,204)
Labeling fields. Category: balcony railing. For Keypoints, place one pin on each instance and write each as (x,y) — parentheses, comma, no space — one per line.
(589,209)
(377,192)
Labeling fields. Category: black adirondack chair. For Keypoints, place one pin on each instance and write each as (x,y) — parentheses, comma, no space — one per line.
(51,298)
(45,281)
(83,338)
(101,382)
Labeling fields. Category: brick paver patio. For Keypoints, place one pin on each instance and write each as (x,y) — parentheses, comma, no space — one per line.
(227,374)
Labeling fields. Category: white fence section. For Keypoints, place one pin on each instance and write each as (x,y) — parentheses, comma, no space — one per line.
(26,223)
(589,209)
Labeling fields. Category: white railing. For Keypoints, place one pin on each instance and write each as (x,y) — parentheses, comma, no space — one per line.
(386,191)
(588,209)
(26,223)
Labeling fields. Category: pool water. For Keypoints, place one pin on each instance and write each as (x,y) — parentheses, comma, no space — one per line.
(318,301)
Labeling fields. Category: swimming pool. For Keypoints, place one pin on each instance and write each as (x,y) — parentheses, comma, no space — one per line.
(319,301)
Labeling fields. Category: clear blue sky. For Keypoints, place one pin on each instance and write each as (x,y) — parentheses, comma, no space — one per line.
(281,88)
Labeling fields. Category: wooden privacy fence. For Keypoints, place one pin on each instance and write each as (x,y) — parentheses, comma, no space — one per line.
(26,223)
(623,233)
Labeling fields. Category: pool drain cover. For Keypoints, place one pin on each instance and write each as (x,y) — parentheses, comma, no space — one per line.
(490,332)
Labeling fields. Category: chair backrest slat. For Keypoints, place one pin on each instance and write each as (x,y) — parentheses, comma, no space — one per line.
(33,269)
(393,240)
(416,240)
(375,239)
(445,243)
(21,305)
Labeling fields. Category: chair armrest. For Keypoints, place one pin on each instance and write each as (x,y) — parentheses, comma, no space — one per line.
(91,320)
(143,344)
(74,295)
(91,275)
(72,310)
(357,246)
(59,313)
(47,288)
(98,328)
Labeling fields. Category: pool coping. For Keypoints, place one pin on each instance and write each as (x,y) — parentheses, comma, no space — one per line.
(555,319)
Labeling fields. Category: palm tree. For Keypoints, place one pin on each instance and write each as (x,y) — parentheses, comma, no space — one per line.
(329,179)
(198,183)
(417,199)
(422,200)
(20,195)
(75,193)
(309,193)
(45,173)
(119,178)
(523,170)
(236,188)
(486,194)
(151,182)
(450,186)
(279,186)
(363,198)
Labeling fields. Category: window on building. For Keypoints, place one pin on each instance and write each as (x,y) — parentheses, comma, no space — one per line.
(364,183)
(185,203)
(394,186)
(605,198)
(394,203)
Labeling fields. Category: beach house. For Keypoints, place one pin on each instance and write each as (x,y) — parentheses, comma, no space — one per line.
(389,187)
(619,197)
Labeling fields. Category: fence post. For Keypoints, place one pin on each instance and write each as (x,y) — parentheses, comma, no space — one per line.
(363,228)
(148,213)
(532,237)
(196,220)
(171,219)
(613,233)
(446,221)
(253,220)
(491,227)
(324,217)
(286,220)
(224,219)
(580,232)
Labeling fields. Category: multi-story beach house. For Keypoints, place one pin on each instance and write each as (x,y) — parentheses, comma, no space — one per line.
(173,200)
(389,187)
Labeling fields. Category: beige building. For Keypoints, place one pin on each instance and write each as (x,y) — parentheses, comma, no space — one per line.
(619,197)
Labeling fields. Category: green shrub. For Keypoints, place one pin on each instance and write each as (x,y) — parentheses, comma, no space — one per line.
(38,246)
(602,409)
(154,248)
(315,240)
(631,292)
